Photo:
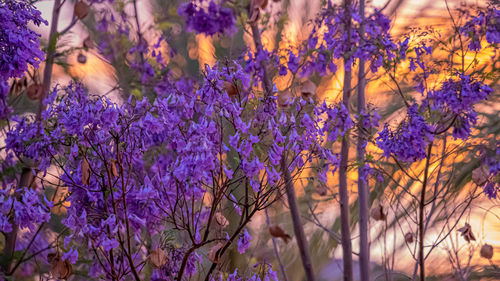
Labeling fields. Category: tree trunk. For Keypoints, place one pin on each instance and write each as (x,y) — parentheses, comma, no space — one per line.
(344,154)
(363,189)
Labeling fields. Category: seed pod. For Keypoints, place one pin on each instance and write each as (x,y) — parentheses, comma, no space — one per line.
(466,232)
(259,3)
(230,89)
(321,188)
(85,171)
(81,10)
(284,98)
(278,232)
(486,251)
(158,258)
(480,175)
(409,237)
(308,89)
(60,269)
(114,170)
(82,58)
(213,254)
(378,214)
(221,220)
(34,91)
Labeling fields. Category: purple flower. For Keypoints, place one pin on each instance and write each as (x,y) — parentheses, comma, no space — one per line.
(71,255)
(244,242)
(215,19)
(19,44)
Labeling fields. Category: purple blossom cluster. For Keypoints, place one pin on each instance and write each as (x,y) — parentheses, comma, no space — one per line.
(19,44)
(208,20)
(374,45)
(409,141)
(484,24)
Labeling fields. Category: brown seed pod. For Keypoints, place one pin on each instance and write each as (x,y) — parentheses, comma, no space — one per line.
(466,232)
(321,188)
(113,169)
(409,237)
(34,91)
(221,220)
(259,3)
(85,171)
(284,99)
(82,58)
(378,214)
(59,268)
(230,89)
(480,175)
(213,254)
(308,89)
(278,232)
(81,10)
(486,251)
(158,258)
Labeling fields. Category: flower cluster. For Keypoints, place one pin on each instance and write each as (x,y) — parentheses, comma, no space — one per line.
(19,44)
(374,45)
(409,141)
(484,24)
(208,20)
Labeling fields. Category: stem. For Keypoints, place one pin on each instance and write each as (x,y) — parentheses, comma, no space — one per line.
(363,189)
(49,61)
(275,247)
(290,189)
(298,229)
(421,257)
(344,154)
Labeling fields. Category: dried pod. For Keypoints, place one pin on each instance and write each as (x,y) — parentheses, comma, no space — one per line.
(81,10)
(486,251)
(466,232)
(214,254)
(321,188)
(308,89)
(230,89)
(85,171)
(88,43)
(278,232)
(113,169)
(221,220)
(254,16)
(480,175)
(409,237)
(158,258)
(82,58)
(34,91)
(378,214)
(59,268)
(284,99)
(259,3)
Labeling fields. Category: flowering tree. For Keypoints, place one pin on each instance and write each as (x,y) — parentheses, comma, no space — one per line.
(145,188)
